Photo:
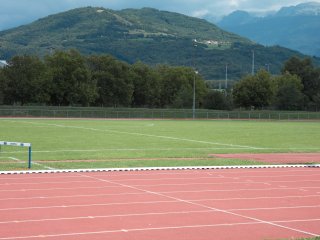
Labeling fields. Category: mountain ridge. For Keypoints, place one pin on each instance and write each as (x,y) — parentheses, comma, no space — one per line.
(148,35)
(295,27)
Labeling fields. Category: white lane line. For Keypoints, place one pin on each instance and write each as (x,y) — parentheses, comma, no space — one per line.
(144,185)
(181,178)
(128,230)
(85,205)
(105,216)
(40,183)
(205,206)
(187,191)
(150,213)
(165,184)
(148,229)
(195,200)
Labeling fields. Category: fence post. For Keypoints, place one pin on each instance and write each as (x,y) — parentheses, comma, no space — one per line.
(29,160)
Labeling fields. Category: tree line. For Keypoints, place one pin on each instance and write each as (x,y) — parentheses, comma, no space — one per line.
(67,78)
(296,88)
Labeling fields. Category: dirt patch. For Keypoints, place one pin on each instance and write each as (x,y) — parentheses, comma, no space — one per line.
(275,158)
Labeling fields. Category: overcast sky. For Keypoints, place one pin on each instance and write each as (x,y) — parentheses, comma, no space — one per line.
(16,12)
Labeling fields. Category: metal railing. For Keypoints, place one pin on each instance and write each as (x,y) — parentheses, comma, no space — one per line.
(61,112)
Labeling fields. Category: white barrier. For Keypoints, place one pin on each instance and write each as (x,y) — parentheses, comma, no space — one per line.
(19,144)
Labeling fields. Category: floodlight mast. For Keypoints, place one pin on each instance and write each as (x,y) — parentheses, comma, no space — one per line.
(194,81)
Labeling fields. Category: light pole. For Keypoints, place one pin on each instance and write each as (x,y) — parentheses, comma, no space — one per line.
(253,63)
(194,95)
(194,81)
(226,83)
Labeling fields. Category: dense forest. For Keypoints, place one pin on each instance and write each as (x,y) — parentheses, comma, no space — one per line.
(68,78)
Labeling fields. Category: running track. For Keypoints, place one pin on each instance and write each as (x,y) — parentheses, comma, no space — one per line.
(266,203)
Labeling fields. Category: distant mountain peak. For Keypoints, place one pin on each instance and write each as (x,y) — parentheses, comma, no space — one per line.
(303,9)
(240,17)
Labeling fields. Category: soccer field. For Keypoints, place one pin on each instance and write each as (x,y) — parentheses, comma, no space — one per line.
(60,143)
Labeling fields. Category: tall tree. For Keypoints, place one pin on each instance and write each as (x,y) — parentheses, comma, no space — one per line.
(71,80)
(114,85)
(146,83)
(177,85)
(218,100)
(254,91)
(310,76)
(288,92)
(25,80)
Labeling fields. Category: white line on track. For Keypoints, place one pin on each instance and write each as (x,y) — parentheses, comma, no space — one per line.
(213,173)
(105,216)
(203,205)
(182,191)
(164,184)
(155,214)
(129,230)
(40,183)
(153,202)
(195,200)
(152,229)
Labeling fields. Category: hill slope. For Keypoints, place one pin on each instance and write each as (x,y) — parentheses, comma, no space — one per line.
(148,35)
(296,27)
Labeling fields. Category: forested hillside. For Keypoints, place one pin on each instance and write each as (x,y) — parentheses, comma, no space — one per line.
(147,35)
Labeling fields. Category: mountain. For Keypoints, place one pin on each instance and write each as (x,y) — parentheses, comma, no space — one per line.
(148,35)
(239,17)
(303,9)
(296,27)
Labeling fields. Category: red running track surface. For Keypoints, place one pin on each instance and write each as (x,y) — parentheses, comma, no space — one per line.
(275,158)
(275,203)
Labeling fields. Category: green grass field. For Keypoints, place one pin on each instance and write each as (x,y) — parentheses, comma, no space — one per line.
(138,143)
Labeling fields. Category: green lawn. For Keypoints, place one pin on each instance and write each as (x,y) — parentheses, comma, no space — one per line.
(138,143)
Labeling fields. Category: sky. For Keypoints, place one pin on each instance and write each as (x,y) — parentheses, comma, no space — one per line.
(17,12)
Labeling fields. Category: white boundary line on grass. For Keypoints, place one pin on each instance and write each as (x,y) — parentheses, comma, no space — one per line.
(160,168)
(141,134)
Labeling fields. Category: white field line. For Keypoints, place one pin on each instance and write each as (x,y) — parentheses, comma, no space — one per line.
(145,135)
(233,146)
(201,205)
(42,165)
(159,149)
(12,158)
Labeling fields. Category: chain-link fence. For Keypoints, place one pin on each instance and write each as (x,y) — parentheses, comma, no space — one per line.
(62,112)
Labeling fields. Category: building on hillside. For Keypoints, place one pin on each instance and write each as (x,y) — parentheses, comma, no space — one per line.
(3,63)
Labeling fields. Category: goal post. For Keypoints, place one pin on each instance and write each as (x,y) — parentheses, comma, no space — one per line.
(19,144)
